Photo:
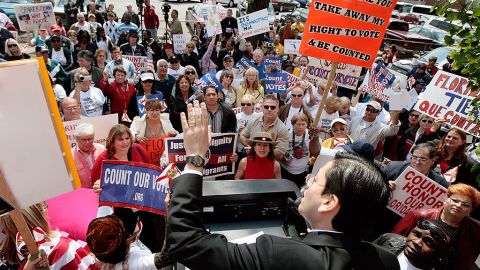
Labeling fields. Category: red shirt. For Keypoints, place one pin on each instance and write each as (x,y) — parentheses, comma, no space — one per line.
(151,18)
(120,96)
(259,168)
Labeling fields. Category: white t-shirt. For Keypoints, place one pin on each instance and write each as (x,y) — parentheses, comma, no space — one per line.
(294,165)
(92,102)
(59,56)
(139,258)
(176,73)
(291,113)
(325,121)
(404,263)
(59,92)
(243,119)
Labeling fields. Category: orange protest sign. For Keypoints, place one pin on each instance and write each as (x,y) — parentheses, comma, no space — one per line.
(344,31)
(154,148)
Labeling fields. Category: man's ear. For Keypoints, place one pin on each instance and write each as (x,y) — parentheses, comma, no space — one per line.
(329,203)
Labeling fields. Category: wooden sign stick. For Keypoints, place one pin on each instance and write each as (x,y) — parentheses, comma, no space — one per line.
(331,76)
(19,221)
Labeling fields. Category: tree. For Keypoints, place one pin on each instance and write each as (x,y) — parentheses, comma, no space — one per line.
(466,55)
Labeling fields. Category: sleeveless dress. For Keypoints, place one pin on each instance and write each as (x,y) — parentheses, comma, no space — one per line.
(259,168)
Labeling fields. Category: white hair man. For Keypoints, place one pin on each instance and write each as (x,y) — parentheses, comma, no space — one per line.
(85,152)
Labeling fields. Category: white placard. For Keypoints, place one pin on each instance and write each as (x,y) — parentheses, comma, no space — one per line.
(102,125)
(179,43)
(346,76)
(140,63)
(291,46)
(34,16)
(253,23)
(31,155)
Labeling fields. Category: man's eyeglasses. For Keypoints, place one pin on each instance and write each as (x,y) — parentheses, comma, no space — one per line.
(311,179)
(299,95)
(71,109)
(419,159)
(435,232)
(427,121)
(268,107)
(460,203)
(371,110)
(338,129)
(246,104)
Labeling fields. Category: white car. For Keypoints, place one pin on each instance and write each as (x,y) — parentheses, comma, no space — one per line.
(228,3)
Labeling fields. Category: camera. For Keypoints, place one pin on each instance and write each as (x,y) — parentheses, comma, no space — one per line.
(82,78)
(166,9)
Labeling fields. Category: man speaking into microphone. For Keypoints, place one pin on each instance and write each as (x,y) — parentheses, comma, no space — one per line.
(340,203)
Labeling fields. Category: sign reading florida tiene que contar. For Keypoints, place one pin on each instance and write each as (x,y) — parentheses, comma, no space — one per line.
(346,31)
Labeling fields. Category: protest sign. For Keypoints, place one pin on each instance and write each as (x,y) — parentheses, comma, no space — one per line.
(273,60)
(276,82)
(133,184)
(208,79)
(213,21)
(415,191)
(291,46)
(102,125)
(447,96)
(34,16)
(243,64)
(377,80)
(347,32)
(141,100)
(140,63)
(346,75)
(253,23)
(221,148)
(154,148)
(179,43)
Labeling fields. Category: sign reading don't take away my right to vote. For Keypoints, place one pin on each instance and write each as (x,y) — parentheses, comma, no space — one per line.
(347,32)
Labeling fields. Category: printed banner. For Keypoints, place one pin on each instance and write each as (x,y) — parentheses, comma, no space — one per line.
(346,75)
(243,64)
(276,83)
(208,79)
(291,46)
(272,60)
(133,184)
(32,17)
(154,148)
(377,80)
(415,191)
(447,96)
(141,100)
(140,63)
(179,43)
(102,125)
(253,23)
(347,32)
(222,147)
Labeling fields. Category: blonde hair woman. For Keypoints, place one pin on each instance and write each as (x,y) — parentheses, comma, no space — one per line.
(250,85)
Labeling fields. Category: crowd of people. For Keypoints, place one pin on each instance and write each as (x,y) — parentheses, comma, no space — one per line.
(277,138)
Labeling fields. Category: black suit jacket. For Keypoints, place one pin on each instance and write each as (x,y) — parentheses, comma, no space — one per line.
(236,56)
(190,244)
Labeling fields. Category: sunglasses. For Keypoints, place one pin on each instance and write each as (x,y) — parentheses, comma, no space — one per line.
(414,115)
(55,41)
(427,121)
(435,232)
(246,104)
(228,76)
(295,95)
(372,110)
(338,129)
(12,45)
(189,72)
(148,81)
(190,47)
(228,61)
(267,107)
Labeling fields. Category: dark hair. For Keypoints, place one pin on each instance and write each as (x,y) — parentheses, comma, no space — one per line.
(460,153)
(210,86)
(177,86)
(271,97)
(432,152)
(119,69)
(146,32)
(85,54)
(83,34)
(252,153)
(362,190)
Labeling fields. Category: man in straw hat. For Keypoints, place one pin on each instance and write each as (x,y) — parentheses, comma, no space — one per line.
(340,202)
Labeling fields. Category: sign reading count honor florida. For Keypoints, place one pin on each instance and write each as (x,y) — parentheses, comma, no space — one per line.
(347,32)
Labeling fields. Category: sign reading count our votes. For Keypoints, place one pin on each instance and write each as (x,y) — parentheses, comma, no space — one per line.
(347,32)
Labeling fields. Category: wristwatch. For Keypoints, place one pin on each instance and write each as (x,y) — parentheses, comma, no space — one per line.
(197,160)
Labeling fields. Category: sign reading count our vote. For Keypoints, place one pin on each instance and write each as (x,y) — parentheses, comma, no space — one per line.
(132,184)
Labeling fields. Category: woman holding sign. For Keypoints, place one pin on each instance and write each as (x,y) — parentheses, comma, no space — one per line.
(250,85)
(153,124)
(120,146)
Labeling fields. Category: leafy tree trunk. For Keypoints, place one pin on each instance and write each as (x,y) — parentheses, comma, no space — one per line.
(256,5)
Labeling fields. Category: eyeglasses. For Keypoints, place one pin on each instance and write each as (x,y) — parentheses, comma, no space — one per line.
(371,110)
(189,72)
(414,115)
(295,95)
(190,47)
(311,179)
(71,109)
(427,121)
(435,232)
(228,76)
(460,203)
(268,107)
(419,159)
(228,61)
(246,104)
(338,129)
(12,45)
(148,81)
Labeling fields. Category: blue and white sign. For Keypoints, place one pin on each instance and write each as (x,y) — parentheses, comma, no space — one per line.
(208,79)
(133,184)
(291,46)
(276,82)
(273,60)
(253,23)
(141,100)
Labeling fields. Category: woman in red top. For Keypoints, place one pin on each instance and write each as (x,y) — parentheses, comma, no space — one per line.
(259,163)
(119,92)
